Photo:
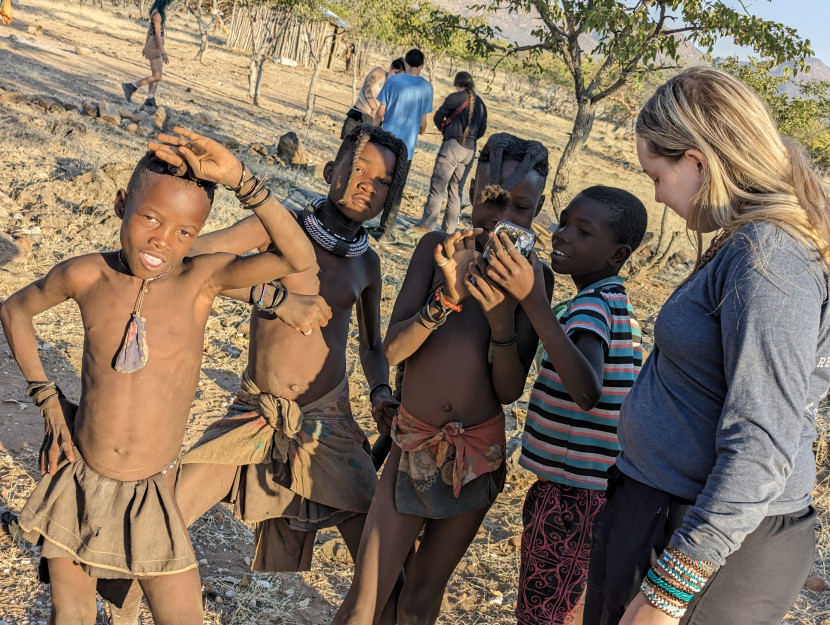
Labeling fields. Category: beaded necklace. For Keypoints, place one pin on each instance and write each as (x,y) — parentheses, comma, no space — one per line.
(332,241)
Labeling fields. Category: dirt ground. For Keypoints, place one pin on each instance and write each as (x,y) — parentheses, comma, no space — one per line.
(60,171)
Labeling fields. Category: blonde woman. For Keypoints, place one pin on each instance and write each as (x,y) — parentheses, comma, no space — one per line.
(708,518)
(154,52)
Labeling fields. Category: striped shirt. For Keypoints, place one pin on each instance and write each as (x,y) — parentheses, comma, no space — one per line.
(561,442)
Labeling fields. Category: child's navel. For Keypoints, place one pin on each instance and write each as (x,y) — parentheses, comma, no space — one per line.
(447,407)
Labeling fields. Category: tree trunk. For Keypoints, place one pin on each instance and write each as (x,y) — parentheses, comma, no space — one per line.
(203,32)
(358,61)
(583,122)
(309,101)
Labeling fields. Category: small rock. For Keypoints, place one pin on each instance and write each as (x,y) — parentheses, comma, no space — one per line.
(217,600)
(203,562)
(230,594)
(132,127)
(108,113)
(89,108)
(290,149)
(816,584)
(11,97)
(265,584)
(48,104)
(252,603)
(80,50)
(68,106)
(159,117)
(515,541)
(245,581)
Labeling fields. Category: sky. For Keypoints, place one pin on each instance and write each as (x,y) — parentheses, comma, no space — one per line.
(811,18)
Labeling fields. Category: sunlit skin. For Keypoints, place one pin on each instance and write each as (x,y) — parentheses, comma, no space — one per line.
(307,359)
(676,182)
(447,378)
(129,426)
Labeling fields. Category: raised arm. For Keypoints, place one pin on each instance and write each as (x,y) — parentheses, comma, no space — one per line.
(245,235)
(292,252)
(513,338)
(16,315)
(578,359)
(407,328)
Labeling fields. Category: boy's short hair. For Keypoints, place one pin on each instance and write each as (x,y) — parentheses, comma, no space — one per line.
(414,58)
(152,164)
(531,156)
(362,134)
(627,216)
(398,65)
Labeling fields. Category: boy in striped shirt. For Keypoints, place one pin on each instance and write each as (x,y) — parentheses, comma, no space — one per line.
(593,354)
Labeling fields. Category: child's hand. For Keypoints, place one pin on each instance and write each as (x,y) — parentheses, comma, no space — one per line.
(384,409)
(491,298)
(58,418)
(511,271)
(453,256)
(208,159)
(304,313)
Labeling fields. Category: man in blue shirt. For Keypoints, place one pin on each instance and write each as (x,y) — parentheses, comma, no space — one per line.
(405,102)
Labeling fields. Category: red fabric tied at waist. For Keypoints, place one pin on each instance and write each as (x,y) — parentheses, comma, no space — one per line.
(479,448)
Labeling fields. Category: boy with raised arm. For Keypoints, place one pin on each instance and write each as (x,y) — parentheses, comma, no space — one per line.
(107,509)
(465,357)
(593,354)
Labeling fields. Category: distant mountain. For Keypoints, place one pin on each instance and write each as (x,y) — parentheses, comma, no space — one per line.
(818,71)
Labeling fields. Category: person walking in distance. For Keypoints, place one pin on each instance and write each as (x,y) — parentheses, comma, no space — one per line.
(462,118)
(405,102)
(154,52)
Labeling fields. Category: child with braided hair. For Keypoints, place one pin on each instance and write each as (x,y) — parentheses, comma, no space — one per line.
(289,455)
(465,357)
(462,119)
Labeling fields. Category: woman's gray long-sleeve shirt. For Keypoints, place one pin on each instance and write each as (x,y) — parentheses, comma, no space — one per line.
(723,412)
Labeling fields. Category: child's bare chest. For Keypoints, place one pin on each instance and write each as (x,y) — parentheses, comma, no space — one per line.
(341,283)
(170,317)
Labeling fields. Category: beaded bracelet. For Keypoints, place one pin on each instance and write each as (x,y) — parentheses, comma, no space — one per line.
(685,597)
(704,568)
(444,302)
(667,597)
(660,603)
(678,579)
(242,181)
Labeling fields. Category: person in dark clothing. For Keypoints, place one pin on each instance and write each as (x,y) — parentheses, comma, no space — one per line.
(463,120)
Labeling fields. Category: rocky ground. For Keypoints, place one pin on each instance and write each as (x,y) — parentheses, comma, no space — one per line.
(69,141)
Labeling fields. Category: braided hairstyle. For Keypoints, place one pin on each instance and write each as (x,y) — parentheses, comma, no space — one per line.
(357,139)
(531,156)
(464,81)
